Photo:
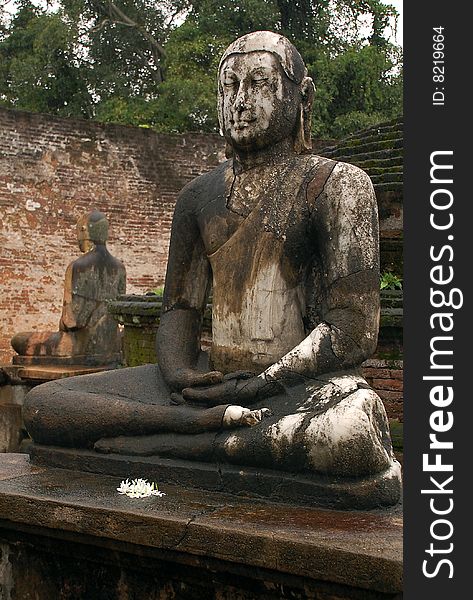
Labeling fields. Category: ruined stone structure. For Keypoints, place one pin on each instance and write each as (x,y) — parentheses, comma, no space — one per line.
(52,171)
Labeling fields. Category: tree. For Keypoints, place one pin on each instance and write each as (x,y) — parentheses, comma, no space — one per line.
(358,88)
(154,64)
(37,67)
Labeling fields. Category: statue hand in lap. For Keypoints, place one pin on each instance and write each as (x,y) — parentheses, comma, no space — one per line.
(237,388)
(188,378)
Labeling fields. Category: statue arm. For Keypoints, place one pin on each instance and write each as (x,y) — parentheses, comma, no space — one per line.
(73,316)
(185,296)
(77,308)
(345,223)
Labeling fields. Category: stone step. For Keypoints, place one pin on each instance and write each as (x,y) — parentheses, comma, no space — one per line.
(389,187)
(383,130)
(66,525)
(362,149)
(393,153)
(378,169)
(394,163)
(386,178)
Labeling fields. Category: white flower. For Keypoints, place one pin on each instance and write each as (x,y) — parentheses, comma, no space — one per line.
(139,488)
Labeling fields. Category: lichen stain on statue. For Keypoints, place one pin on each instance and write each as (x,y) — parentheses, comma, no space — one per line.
(87,335)
(289,243)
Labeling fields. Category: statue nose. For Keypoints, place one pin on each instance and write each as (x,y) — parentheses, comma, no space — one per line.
(241,101)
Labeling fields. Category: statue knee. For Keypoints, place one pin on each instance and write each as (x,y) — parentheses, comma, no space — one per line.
(351,438)
(19,342)
(39,409)
(37,343)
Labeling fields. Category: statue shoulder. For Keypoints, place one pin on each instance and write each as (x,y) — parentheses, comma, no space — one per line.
(347,190)
(349,181)
(116,264)
(93,259)
(203,188)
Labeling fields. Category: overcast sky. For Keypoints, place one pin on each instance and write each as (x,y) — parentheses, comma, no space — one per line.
(398,5)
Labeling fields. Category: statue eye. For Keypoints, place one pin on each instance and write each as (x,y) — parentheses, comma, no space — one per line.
(259,80)
(229,83)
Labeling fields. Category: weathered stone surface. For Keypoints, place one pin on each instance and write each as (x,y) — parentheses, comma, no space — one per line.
(10,427)
(289,243)
(321,554)
(363,492)
(34,374)
(139,316)
(378,151)
(87,334)
(13,392)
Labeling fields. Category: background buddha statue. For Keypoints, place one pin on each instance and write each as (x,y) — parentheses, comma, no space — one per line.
(87,334)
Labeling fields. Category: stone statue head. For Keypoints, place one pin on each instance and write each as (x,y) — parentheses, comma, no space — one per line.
(92,229)
(264,93)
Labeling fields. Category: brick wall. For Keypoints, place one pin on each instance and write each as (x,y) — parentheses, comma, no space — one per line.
(386,378)
(53,170)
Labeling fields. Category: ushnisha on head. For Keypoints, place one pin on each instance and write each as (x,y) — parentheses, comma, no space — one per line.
(264,94)
(92,229)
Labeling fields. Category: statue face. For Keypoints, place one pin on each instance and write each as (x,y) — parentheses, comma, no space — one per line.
(83,238)
(260,104)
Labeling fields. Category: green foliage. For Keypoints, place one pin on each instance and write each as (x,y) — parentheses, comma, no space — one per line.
(187,105)
(154,64)
(355,89)
(349,122)
(390,281)
(133,110)
(159,291)
(37,67)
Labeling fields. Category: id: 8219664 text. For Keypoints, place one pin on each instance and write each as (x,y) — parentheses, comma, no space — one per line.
(438,66)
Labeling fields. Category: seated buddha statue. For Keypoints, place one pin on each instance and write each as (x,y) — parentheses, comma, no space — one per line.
(87,334)
(288,242)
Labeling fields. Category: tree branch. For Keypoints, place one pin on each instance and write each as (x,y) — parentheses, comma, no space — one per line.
(118,16)
(113,14)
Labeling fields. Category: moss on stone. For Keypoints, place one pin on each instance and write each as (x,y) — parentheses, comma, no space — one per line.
(397,434)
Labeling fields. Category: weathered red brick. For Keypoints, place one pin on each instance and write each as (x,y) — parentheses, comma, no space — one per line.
(390,396)
(387,384)
(51,171)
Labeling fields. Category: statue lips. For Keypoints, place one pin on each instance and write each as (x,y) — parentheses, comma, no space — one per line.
(243,124)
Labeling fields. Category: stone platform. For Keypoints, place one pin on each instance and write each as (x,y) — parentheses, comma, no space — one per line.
(16,380)
(364,493)
(69,534)
(33,374)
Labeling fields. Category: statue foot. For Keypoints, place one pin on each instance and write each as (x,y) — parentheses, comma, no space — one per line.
(237,416)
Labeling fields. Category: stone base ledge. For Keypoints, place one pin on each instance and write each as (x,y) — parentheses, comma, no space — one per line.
(212,542)
(363,493)
(91,360)
(35,374)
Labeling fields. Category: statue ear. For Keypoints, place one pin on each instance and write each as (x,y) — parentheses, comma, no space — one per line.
(303,140)
(307,93)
